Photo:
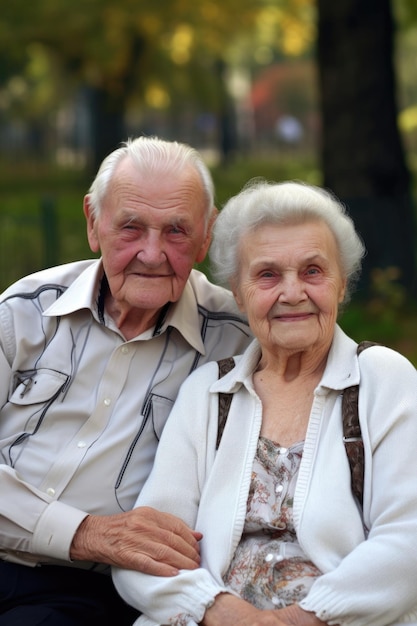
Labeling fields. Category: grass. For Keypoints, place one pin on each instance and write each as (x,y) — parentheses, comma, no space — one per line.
(31,238)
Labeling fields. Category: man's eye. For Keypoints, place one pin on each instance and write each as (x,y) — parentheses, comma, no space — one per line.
(130,226)
(176,230)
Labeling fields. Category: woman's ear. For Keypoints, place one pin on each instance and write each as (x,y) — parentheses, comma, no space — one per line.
(91,225)
(342,292)
(237,296)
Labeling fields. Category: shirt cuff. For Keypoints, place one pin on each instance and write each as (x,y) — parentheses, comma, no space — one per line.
(55,531)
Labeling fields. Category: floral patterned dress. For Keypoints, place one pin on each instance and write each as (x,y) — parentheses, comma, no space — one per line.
(269,568)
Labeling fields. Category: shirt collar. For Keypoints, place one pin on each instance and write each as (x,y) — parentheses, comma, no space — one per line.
(84,293)
(81,294)
(183,315)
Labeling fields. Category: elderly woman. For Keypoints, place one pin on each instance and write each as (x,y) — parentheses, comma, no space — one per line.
(284,540)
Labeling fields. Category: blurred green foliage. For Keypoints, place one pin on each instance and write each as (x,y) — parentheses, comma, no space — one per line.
(387,314)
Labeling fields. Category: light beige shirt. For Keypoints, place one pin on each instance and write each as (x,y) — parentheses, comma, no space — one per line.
(82,409)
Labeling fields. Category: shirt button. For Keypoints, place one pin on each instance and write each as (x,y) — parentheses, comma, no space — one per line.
(283,450)
(279,489)
(81,444)
(50,491)
(125,350)
(107,402)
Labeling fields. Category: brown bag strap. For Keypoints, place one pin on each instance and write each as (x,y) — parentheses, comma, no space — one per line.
(225,399)
(352,436)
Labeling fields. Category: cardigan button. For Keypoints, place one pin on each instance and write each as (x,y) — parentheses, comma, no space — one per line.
(271,557)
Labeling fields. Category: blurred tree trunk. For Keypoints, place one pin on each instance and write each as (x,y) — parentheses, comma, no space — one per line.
(108,101)
(362,153)
(226,115)
(107,116)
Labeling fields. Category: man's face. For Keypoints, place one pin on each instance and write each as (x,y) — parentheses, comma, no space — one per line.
(150,232)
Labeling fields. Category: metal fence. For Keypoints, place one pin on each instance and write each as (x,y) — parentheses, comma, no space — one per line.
(32,242)
(22,246)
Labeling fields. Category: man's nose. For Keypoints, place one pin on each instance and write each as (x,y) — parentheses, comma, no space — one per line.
(151,251)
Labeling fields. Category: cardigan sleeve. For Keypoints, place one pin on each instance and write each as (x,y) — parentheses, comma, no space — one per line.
(184,457)
(374,584)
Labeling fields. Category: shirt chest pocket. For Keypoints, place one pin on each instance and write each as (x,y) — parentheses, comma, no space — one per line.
(160,409)
(37,386)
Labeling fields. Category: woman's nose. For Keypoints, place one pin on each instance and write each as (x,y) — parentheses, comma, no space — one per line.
(292,290)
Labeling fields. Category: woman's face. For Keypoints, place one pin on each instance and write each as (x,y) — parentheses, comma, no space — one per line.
(290,285)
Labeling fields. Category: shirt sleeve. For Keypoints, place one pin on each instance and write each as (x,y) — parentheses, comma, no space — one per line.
(33,526)
(5,376)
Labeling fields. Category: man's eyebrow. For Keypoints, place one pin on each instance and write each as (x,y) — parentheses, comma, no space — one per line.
(129,219)
(126,217)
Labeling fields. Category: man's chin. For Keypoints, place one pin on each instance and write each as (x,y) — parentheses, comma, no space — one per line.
(151,301)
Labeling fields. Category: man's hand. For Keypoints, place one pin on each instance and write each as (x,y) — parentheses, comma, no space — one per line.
(142,539)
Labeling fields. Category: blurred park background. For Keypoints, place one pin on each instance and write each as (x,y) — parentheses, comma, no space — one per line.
(323,91)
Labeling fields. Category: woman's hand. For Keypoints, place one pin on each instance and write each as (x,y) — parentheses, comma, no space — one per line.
(228,610)
(296,616)
(143,539)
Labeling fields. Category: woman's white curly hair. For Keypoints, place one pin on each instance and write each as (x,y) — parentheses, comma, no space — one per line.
(262,202)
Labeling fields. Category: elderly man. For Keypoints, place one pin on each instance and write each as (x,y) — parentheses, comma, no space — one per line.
(91,358)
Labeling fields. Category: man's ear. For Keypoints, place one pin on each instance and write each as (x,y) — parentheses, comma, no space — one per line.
(91,225)
(207,240)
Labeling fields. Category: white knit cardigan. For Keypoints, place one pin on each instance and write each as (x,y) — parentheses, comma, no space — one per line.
(369,577)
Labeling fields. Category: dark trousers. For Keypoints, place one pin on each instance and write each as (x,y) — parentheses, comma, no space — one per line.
(59,596)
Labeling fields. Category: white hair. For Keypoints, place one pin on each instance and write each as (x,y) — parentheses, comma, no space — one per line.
(261,202)
(151,154)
